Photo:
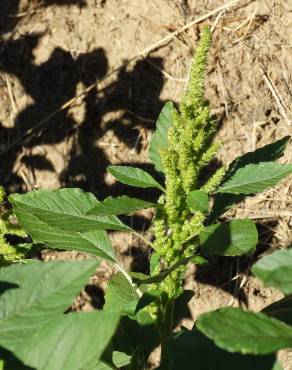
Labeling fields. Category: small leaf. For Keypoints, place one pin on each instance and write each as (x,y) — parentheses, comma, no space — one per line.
(246,332)
(159,138)
(198,201)
(44,291)
(255,178)
(147,298)
(120,360)
(276,270)
(134,176)
(120,205)
(121,294)
(187,348)
(281,310)
(233,238)
(154,263)
(64,209)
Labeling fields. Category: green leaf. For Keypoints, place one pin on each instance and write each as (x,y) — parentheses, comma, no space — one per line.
(158,278)
(120,359)
(64,209)
(120,205)
(93,242)
(121,294)
(191,348)
(147,298)
(268,153)
(70,341)
(281,310)
(255,178)
(232,238)
(159,138)
(137,336)
(135,330)
(246,332)
(154,263)
(134,176)
(44,291)
(198,201)
(276,270)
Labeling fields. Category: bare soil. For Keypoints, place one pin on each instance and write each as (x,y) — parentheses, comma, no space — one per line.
(53,134)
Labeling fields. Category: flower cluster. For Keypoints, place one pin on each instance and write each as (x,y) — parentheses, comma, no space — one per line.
(190,149)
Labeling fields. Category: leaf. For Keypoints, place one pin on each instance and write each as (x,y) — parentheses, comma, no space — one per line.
(246,332)
(232,238)
(64,209)
(137,330)
(159,138)
(147,298)
(255,178)
(198,201)
(120,205)
(134,176)
(158,278)
(276,270)
(281,310)
(121,294)
(45,290)
(268,153)
(93,242)
(189,348)
(120,359)
(70,341)
(137,336)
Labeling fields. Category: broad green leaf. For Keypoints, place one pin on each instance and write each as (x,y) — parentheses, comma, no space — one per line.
(70,341)
(43,291)
(134,176)
(281,310)
(159,138)
(121,294)
(255,178)
(268,153)
(120,205)
(93,242)
(276,270)
(198,201)
(190,350)
(246,332)
(64,209)
(233,238)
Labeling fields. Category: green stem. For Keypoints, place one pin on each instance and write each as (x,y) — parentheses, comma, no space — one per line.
(166,332)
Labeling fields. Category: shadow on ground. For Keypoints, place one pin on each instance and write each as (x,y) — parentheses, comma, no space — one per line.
(53,83)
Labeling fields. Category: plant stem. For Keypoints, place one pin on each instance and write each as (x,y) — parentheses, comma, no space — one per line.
(166,332)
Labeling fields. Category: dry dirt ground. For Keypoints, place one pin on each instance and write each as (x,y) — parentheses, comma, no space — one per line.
(78,93)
